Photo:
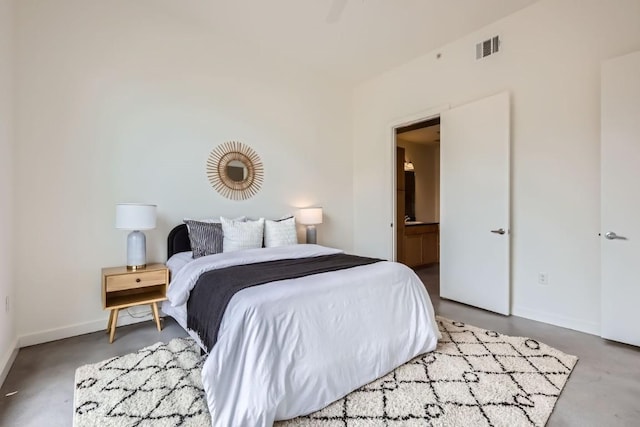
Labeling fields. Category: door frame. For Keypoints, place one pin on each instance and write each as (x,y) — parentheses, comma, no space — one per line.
(422,116)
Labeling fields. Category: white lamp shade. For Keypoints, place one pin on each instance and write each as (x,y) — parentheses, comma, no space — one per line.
(134,216)
(310,216)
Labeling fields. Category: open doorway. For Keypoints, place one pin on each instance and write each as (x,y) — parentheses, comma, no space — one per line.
(417,174)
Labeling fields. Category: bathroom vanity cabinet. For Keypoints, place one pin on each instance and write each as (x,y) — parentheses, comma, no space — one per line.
(421,244)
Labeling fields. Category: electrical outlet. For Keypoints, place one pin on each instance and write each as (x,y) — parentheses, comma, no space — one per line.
(543,278)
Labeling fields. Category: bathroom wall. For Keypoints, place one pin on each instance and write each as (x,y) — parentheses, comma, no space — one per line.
(426,162)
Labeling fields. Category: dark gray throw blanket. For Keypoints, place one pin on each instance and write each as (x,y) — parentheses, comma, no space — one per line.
(214,289)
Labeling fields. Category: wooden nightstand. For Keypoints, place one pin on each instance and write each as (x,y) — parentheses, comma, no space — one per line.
(122,288)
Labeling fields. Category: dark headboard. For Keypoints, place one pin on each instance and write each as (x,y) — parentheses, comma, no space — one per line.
(178,240)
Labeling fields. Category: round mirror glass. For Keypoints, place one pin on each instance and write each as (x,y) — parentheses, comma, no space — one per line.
(236,171)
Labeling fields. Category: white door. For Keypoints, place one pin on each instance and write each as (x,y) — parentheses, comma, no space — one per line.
(474,204)
(620,199)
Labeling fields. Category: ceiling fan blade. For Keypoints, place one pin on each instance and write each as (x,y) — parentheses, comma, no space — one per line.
(335,12)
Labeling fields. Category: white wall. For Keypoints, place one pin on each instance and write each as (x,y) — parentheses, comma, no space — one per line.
(550,62)
(7,326)
(122,101)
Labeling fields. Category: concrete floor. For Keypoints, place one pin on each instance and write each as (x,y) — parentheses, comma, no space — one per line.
(603,390)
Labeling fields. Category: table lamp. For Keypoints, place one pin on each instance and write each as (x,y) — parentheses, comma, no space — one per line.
(136,217)
(310,217)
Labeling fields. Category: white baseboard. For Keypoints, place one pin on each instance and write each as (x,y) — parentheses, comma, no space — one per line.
(54,334)
(562,321)
(7,360)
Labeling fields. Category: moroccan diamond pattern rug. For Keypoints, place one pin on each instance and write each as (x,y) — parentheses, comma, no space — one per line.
(475,377)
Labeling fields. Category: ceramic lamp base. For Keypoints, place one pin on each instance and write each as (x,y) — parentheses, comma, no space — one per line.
(311,234)
(136,250)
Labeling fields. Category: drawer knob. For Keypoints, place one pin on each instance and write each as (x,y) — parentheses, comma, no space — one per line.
(138,280)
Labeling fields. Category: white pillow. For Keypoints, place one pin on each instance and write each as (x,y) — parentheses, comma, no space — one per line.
(241,235)
(281,232)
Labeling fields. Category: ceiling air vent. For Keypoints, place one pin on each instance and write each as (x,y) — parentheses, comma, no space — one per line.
(487,47)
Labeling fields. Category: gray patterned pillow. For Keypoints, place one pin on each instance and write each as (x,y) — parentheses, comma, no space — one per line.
(206,237)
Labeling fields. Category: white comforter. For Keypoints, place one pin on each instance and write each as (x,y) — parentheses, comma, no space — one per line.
(291,347)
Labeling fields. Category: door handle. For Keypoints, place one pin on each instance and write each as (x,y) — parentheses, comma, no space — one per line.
(610,235)
(499,231)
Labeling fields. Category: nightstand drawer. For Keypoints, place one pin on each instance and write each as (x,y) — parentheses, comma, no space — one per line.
(134,280)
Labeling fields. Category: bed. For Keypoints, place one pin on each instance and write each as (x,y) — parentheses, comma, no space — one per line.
(291,347)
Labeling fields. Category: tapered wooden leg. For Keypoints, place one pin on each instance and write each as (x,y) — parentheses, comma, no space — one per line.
(156,316)
(109,321)
(114,322)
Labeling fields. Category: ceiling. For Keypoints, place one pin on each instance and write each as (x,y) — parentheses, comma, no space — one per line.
(427,136)
(352,40)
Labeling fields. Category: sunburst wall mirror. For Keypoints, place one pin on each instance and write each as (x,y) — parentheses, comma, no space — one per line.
(235,170)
